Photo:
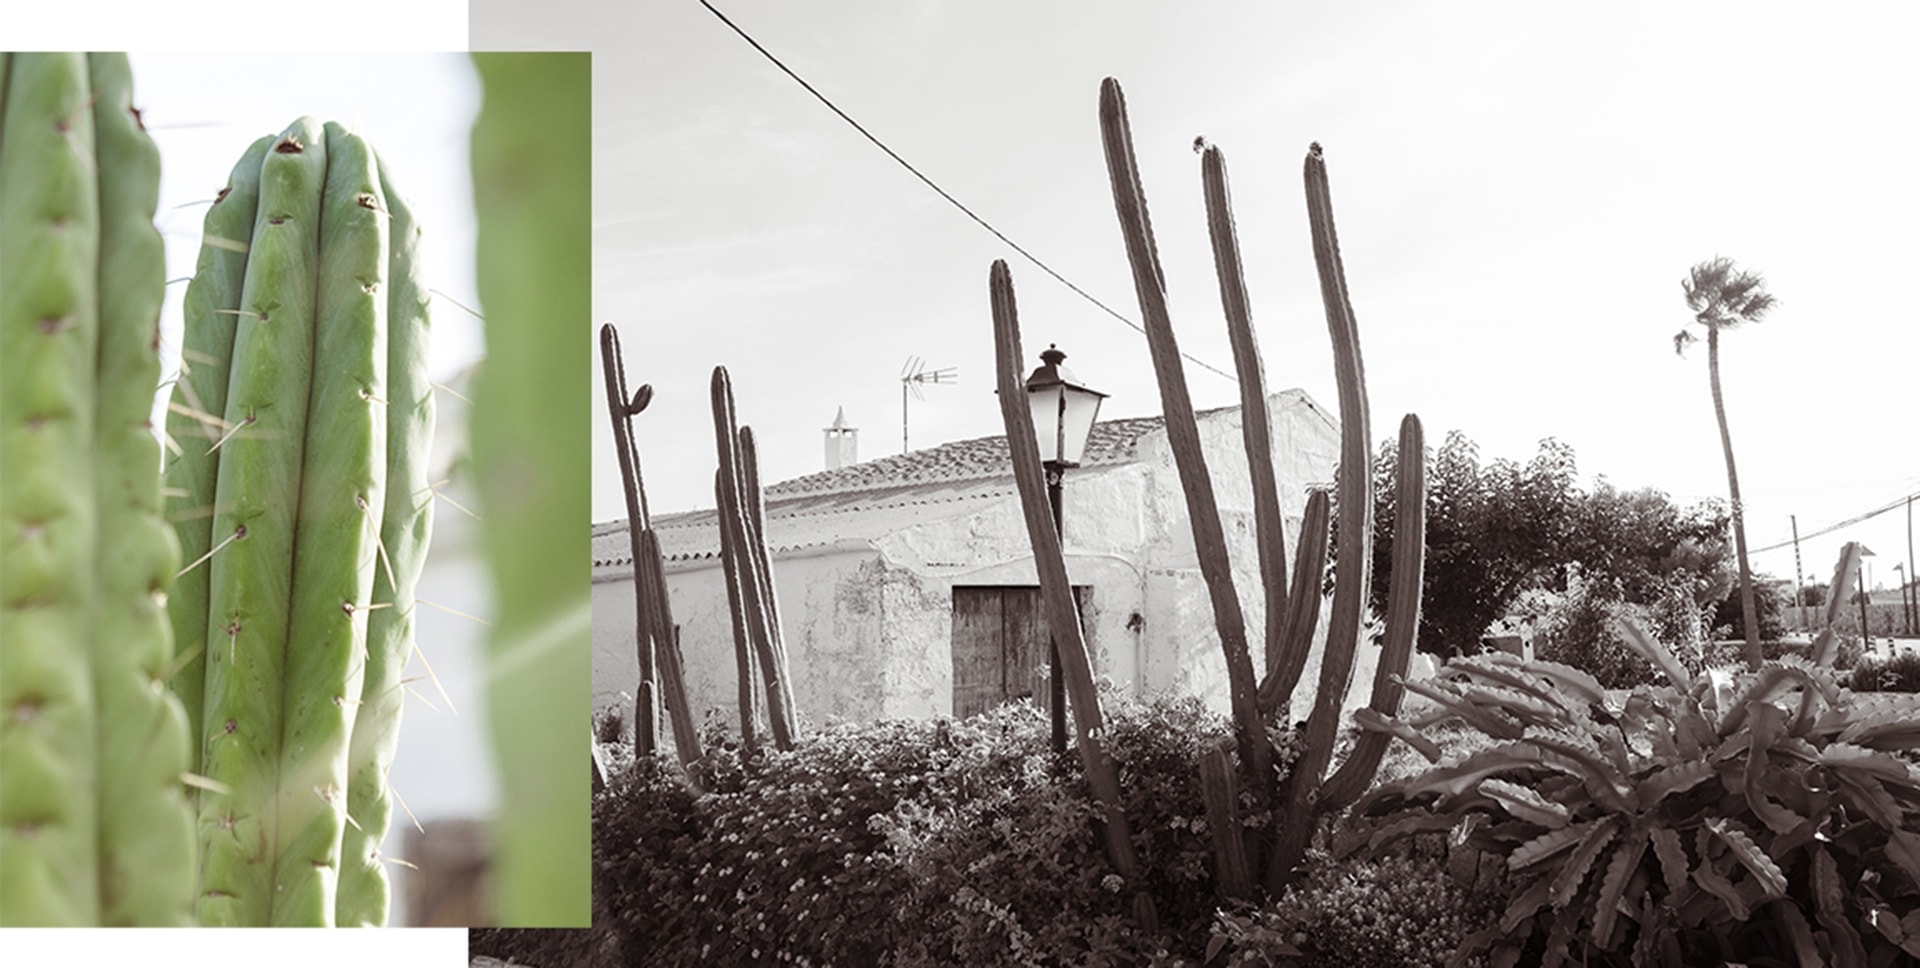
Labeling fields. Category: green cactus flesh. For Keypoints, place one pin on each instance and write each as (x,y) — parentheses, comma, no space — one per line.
(406,526)
(321,398)
(531,168)
(95,827)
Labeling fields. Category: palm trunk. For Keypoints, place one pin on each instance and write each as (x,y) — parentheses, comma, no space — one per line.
(1748,611)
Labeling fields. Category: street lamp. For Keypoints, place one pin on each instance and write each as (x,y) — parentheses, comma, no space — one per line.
(1063,414)
(1906,622)
(1866,638)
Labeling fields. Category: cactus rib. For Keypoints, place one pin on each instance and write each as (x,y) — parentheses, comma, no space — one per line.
(406,527)
(146,822)
(95,827)
(49,238)
(257,504)
(196,420)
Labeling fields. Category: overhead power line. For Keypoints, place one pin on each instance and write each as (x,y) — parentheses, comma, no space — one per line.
(943,193)
(1856,519)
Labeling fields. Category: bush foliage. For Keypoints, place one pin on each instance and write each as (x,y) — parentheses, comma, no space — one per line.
(911,843)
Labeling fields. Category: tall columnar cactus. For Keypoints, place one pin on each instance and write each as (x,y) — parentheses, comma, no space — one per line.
(95,823)
(655,639)
(748,566)
(1290,616)
(532,194)
(1056,594)
(303,421)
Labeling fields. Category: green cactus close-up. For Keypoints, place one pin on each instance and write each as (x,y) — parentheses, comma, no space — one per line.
(304,418)
(95,824)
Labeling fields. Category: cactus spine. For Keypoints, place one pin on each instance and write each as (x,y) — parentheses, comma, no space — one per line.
(303,394)
(95,826)
(1290,617)
(532,194)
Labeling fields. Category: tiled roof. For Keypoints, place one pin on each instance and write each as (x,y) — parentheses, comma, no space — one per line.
(878,497)
(819,509)
(1111,442)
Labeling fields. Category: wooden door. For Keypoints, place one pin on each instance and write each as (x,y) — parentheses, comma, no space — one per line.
(1000,645)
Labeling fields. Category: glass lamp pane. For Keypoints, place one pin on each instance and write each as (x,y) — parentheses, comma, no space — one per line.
(1045,404)
(1081,408)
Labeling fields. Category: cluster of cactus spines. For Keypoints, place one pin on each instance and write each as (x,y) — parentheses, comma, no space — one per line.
(303,421)
(1056,594)
(747,562)
(532,168)
(1290,616)
(95,824)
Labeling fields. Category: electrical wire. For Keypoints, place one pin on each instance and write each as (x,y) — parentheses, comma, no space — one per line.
(1829,529)
(943,193)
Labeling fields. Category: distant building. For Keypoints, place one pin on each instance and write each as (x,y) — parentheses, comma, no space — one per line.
(907,588)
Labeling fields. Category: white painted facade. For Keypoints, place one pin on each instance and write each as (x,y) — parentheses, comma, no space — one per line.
(865,572)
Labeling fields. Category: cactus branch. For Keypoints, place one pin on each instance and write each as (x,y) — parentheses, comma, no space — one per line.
(1057,594)
(646,713)
(1255,425)
(1183,434)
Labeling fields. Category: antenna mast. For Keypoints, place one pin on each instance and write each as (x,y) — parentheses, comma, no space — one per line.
(912,375)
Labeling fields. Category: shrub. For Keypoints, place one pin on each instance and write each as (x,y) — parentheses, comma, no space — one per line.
(1898,673)
(1014,873)
(1394,912)
(1702,819)
(912,843)
(1577,628)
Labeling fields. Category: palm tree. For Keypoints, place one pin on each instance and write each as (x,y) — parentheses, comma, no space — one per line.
(1722,298)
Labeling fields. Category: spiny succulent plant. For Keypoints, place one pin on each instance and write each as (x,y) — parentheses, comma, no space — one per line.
(303,420)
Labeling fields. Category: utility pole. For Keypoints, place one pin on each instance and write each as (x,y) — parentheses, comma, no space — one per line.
(1915,620)
(1799,576)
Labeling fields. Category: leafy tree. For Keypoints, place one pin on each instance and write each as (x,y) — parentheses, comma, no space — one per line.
(1722,298)
(1499,529)
(1492,531)
(1638,546)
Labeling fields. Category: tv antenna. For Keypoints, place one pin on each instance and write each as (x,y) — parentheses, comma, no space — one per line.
(912,376)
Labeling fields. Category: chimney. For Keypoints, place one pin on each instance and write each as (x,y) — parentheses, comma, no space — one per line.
(843,442)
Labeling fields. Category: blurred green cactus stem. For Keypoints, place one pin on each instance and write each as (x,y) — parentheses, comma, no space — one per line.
(532,178)
(96,827)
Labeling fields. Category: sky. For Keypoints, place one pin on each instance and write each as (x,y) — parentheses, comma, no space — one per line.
(1519,190)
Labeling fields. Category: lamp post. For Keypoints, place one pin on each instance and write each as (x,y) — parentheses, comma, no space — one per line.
(1866,638)
(1063,414)
(1906,623)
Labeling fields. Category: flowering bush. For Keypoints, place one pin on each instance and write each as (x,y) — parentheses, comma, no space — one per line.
(913,843)
(1395,912)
